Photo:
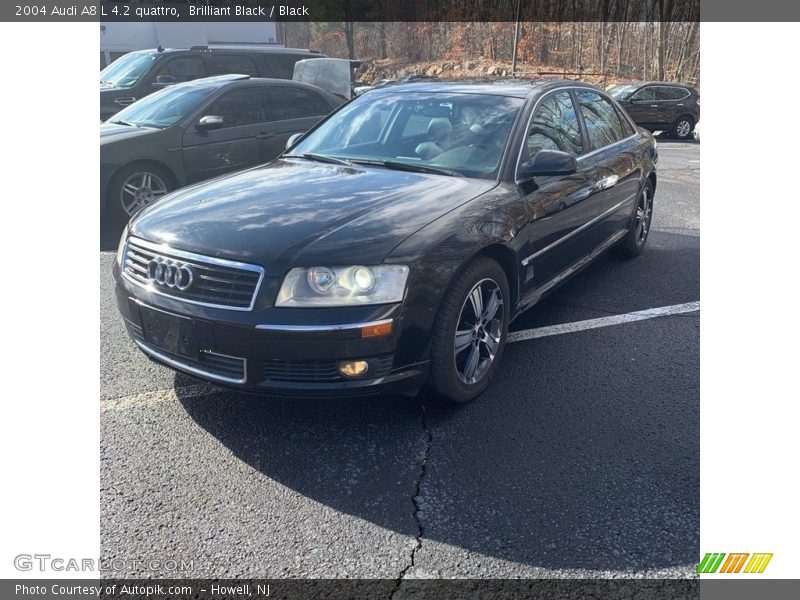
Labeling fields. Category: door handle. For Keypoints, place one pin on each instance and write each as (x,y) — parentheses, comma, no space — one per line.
(604,183)
(654,106)
(125,101)
(264,136)
(681,104)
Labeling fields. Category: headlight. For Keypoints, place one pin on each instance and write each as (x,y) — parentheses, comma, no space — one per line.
(343,286)
(121,246)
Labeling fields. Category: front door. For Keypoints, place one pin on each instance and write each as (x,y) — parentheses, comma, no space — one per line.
(237,144)
(561,209)
(643,106)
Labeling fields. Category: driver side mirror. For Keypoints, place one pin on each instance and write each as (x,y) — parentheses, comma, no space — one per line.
(209,123)
(548,162)
(293,140)
(163,81)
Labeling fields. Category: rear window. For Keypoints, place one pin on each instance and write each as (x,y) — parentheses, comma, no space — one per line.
(671,93)
(294,103)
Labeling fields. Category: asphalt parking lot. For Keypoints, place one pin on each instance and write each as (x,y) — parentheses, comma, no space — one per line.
(582,459)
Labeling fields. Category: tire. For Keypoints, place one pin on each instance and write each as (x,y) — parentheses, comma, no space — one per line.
(451,375)
(682,128)
(132,188)
(634,241)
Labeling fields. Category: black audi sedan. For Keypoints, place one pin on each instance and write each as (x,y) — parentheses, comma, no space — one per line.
(391,246)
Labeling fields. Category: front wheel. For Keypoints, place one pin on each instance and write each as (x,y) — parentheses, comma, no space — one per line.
(133,188)
(470,331)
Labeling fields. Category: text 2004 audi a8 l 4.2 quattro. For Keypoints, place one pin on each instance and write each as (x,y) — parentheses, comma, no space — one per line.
(393,244)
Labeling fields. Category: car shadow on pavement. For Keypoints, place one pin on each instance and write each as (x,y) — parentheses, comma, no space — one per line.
(583,454)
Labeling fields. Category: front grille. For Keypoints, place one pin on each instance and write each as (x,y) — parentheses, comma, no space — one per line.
(320,371)
(215,282)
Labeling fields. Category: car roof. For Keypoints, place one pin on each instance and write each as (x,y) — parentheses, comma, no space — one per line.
(516,88)
(220,81)
(661,83)
(230,48)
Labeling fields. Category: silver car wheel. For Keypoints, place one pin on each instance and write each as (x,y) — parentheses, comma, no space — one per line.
(478,331)
(644,213)
(139,190)
(683,128)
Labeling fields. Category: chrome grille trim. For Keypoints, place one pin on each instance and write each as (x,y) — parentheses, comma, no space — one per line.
(214,270)
(177,363)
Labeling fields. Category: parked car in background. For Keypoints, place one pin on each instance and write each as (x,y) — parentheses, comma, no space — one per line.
(660,106)
(391,246)
(197,130)
(137,74)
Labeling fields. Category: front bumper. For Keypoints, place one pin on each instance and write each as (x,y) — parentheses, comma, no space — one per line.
(288,352)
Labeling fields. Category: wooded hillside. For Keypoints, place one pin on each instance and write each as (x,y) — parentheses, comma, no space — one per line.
(609,51)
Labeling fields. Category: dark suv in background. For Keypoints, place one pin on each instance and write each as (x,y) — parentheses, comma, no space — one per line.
(660,106)
(140,73)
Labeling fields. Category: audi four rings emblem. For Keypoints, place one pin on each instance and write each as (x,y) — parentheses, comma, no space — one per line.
(171,274)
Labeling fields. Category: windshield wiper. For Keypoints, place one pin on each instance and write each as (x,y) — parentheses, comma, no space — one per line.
(321,158)
(117,122)
(403,166)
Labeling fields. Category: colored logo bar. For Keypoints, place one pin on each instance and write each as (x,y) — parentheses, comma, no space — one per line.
(714,562)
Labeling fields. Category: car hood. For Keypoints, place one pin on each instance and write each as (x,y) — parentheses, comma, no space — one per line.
(295,212)
(112,132)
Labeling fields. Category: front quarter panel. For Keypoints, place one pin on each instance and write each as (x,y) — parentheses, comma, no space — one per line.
(438,251)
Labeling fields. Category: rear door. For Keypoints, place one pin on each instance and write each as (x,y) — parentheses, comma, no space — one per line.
(614,179)
(560,208)
(291,109)
(672,103)
(237,144)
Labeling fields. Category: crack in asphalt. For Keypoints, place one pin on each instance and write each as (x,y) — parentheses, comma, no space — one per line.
(415,502)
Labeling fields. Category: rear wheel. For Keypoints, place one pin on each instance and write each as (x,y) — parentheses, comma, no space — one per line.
(470,331)
(682,128)
(633,242)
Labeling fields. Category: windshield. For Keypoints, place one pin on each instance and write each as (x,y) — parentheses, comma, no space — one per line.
(127,70)
(464,134)
(163,108)
(620,92)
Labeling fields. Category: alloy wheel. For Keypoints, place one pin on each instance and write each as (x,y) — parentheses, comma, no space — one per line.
(644,213)
(478,331)
(139,190)
(683,128)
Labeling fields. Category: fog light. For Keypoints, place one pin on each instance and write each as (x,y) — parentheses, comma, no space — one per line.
(353,368)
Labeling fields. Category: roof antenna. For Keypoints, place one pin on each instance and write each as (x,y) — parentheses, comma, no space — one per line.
(160,48)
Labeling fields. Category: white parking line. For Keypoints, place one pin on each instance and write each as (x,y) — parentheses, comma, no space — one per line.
(640,315)
(156,397)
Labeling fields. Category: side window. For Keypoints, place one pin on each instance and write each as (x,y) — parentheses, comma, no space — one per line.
(626,124)
(555,126)
(223,64)
(102,60)
(644,94)
(671,93)
(184,68)
(602,122)
(239,107)
(294,103)
(277,65)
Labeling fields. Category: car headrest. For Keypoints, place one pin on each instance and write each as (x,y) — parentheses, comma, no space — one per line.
(439,127)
